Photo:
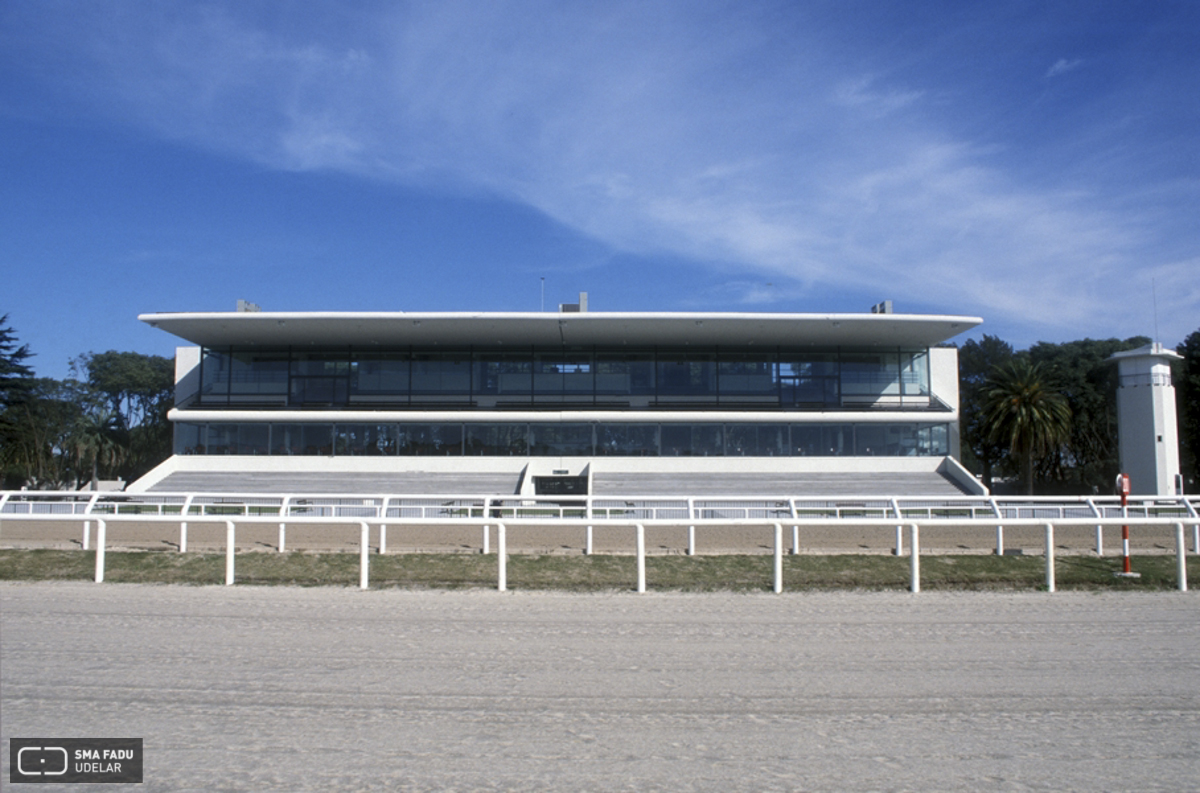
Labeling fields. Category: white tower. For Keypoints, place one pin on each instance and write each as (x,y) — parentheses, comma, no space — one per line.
(1147,431)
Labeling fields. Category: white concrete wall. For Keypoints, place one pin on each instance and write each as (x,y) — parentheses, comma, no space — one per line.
(943,382)
(187,374)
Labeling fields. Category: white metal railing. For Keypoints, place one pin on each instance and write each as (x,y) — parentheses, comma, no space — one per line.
(364,527)
(456,507)
(380,510)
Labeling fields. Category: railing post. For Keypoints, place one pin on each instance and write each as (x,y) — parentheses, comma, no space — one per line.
(487,539)
(100,541)
(364,555)
(914,544)
(641,558)
(87,533)
(1099,539)
(229,548)
(587,545)
(1180,559)
(1125,565)
(1196,538)
(899,528)
(795,527)
(284,511)
(1049,557)
(382,539)
(501,559)
(999,539)
(691,544)
(778,558)
(184,512)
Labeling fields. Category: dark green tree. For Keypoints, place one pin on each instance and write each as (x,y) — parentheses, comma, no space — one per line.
(136,386)
(16,384)
(976,361)
(38,454)
(1187,395)
(96,443)
(1026,413)
(1089,460)
(138,391)
(16,377)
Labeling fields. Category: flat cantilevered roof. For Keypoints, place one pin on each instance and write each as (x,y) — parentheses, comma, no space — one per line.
(462,329)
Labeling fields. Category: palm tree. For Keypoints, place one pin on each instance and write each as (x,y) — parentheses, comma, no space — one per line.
(1023,410)
(94,442)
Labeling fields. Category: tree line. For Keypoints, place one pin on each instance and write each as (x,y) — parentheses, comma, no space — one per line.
(107,420)
(1046,417)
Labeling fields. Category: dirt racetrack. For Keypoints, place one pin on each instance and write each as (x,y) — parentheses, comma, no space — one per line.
(276,688)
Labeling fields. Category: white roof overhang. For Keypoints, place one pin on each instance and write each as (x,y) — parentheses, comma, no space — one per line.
(560,416)
(460,330)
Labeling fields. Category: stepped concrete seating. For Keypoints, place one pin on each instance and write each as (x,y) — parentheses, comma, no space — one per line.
(398,483)
(612,483)
(805,484)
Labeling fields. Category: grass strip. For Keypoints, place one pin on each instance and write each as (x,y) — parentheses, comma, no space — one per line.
(727,573)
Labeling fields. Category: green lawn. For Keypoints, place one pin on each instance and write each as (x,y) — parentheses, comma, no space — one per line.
(736,573)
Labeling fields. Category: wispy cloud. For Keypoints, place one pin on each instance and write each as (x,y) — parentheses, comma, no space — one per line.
(861,93)
(1062,66)
(652,127)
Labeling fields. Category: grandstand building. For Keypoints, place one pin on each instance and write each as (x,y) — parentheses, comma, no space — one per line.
(569,402)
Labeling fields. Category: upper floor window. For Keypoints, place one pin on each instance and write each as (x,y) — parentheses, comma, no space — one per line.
(667,378)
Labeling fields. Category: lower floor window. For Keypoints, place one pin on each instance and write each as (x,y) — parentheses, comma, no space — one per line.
(565,439)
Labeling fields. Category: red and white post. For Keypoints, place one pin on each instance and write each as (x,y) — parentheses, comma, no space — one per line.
(1123,489)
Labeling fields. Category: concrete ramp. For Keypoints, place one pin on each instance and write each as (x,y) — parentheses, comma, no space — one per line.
(406,482)
(925,483)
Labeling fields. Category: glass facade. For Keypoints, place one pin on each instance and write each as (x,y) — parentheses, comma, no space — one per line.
(638,380)
(702,439)
(666,378)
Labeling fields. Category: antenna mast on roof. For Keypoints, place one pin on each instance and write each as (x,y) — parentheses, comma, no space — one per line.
(1154,297)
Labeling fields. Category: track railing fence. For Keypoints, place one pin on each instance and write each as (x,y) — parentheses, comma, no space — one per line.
(366,511)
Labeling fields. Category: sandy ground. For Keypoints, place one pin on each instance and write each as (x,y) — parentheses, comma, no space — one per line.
(210,537)
(336,689)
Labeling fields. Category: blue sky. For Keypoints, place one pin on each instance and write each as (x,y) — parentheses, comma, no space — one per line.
(1033,163)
